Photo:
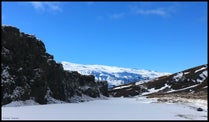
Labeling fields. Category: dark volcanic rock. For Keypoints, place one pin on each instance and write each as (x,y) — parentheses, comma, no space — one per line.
(29,72)
(199,109)
(103,87)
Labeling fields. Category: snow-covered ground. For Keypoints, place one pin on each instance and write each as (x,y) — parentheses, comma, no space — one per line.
(136,108)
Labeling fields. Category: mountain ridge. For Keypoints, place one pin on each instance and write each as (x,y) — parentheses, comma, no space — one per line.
(112,74)
(192,81)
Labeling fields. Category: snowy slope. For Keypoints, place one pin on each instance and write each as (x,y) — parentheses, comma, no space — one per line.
(113,75)
(192,81)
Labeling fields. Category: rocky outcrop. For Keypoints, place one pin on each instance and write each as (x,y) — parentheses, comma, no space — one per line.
(29,72)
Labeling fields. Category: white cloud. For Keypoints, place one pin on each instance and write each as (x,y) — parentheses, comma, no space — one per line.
(46,6)
(159,12)
(54,6)
(117,16)
(146,9)
(150,9)
(38,5)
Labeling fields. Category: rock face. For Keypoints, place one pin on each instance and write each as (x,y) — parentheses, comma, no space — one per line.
(29,72)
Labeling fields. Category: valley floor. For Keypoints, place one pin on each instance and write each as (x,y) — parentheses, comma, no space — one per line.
(136,108)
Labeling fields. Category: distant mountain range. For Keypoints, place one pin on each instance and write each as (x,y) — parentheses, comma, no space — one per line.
(113,75)
(193,81)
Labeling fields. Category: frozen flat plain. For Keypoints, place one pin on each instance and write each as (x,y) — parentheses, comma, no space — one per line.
(136,108)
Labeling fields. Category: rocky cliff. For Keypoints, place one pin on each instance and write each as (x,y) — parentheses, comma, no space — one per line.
(29,72)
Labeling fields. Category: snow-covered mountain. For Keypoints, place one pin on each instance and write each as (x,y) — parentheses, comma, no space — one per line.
(113,75)
(190,82)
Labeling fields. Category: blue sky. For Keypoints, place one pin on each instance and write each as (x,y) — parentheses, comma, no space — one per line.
(160,36)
